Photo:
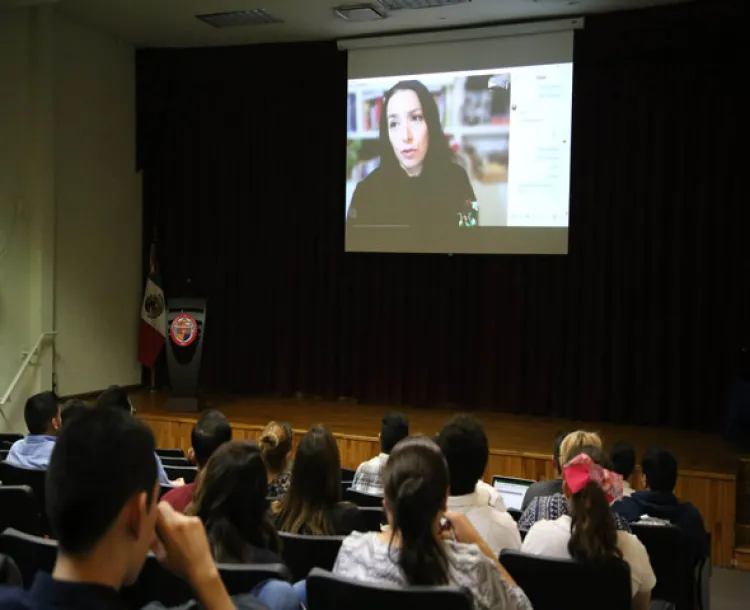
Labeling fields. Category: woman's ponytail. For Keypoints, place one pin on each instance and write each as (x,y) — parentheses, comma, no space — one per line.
(422,557)
(593,533)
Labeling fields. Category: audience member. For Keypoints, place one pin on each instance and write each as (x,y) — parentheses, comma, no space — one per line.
(312,505)
(42,416)
(116,397)
(231,502)
(71,409)
(106,517)
(416,549)
(554,506)
(588,533)
(210,432)
(464,445)
(547,488)
(368,477)
(622,456)
(658,500)
(276,445)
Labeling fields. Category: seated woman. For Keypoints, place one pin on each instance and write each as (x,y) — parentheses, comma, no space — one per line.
(313,505)
(589,533)
(275,445)
(554,506)
(419,547)
(230,499)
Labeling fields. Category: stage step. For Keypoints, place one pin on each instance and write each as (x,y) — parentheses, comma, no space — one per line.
(742,558)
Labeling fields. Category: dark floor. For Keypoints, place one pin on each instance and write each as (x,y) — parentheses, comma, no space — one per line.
(730,590)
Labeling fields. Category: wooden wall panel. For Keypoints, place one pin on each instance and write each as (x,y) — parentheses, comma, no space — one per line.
(713,494)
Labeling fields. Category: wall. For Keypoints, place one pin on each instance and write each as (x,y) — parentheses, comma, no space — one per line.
(70,217)
(98,220)
(26,203)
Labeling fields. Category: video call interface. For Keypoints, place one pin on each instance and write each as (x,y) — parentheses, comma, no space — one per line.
(431,156)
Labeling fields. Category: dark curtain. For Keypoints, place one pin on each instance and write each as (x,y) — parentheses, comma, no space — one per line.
(243,152)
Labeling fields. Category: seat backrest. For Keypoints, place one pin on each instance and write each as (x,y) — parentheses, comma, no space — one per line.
(33,478)
(31,553)
(326,591)
(361,499)
(19,509)
(175,461)
(669,559)
(515,513)
(547,582)
(373,517)
(157,584)
(347,474)
(4,454)
(170,453)
(303,553)
(10,438)
(187,473)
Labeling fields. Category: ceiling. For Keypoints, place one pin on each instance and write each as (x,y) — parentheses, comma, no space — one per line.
(172,23)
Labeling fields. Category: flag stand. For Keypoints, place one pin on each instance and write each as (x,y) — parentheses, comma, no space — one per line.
(153,388)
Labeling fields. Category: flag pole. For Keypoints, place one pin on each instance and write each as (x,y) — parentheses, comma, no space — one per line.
(152,389)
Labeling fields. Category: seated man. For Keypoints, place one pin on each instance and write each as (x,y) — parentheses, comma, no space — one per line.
(117,398)
(464,444)
(657,500)
(71,409)
(210,432)
(368,478)
(622,456)
(106,517)
(547,488)
(42,415)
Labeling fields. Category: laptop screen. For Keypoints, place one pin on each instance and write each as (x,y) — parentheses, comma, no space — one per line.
(512,490)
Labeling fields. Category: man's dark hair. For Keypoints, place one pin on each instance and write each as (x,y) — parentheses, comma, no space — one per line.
(393,428)
(39,411)
(72,408)
(622,456)
(464,445)
(210,432)
(98,463)
(114,396)
(660,469)
(559,438)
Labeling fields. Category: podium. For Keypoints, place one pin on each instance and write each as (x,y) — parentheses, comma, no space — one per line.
(186,325)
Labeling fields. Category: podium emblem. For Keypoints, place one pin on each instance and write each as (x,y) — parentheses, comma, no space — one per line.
(184,330)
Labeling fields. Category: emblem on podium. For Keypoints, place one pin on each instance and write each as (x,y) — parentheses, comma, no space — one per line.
(184,330)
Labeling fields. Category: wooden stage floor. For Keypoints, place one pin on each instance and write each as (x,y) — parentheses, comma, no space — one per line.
(519,445)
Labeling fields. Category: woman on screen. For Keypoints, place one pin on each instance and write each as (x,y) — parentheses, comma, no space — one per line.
(418,182)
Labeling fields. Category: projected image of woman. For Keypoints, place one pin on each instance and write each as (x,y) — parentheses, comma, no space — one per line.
(418,182)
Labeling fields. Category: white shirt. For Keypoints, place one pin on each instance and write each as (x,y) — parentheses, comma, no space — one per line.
(498,529)
(493,496)
(550,538)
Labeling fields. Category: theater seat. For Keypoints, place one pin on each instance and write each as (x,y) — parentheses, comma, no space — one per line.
(373,517)
(33,478)
(19,510)
(564,584)
(187,473)
(157,584)
(31,553)
(326,591)
(363,500)
(175,453)
(303,553)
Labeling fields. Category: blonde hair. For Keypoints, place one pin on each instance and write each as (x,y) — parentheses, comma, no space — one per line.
(274,445)
(575,441)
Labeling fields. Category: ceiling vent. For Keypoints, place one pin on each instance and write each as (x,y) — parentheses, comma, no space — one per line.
(397,5)
(256,16)
(360,12)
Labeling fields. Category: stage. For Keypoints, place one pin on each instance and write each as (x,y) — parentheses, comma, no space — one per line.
(520,446)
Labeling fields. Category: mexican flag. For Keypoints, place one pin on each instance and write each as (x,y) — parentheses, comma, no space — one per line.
(153,316)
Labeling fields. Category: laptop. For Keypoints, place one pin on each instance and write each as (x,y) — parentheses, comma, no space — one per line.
(512,490)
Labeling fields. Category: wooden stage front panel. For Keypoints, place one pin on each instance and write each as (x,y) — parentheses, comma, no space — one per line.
(521,446)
